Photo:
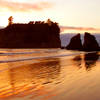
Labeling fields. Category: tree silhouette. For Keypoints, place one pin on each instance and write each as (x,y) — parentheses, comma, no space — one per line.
(49,22)
(10,20)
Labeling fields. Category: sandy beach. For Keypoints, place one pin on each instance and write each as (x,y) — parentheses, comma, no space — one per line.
(73,76)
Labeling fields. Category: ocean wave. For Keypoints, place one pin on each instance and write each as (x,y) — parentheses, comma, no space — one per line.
(39,54)
(41,57)
(10,52)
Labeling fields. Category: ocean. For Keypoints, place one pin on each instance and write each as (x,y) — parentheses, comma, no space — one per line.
(49,74)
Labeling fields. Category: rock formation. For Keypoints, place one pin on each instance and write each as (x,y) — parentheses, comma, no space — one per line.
(32,35)
(90,43)
(75,43)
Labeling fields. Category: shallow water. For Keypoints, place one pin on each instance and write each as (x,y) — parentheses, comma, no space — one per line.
(49,74)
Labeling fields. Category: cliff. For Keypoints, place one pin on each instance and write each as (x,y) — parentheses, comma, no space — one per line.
(38,35)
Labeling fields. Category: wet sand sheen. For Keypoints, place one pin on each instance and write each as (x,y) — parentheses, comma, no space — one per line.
(74,77)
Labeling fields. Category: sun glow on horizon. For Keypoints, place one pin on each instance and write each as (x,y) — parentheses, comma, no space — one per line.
(81,15)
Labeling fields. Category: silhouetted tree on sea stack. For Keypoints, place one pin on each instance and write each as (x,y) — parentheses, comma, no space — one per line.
(10,20)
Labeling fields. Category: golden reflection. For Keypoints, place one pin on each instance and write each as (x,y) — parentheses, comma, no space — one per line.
(49,78)
(88,60)
(78,60)
(28,79)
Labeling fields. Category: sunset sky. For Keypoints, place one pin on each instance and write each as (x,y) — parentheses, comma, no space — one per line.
(72,15)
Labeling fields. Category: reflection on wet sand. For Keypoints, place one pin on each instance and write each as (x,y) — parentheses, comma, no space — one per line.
(78,59)
(63,78)
(89,60)
(28,78)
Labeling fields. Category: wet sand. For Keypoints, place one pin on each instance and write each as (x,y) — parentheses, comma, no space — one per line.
(71,77)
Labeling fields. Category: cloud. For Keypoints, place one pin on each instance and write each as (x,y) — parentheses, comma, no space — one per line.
(63,28)
(22,6)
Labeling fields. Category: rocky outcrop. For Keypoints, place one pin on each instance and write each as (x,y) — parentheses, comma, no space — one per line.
(90,43)
(38,35)
(75,43)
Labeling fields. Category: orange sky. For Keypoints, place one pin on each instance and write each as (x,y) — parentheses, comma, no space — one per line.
(72,15)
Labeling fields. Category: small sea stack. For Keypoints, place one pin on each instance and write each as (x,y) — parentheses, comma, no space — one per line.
(75,43)
(90,43)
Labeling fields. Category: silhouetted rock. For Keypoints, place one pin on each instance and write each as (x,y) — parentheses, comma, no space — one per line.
(40,35)
(75,43)
(90,43)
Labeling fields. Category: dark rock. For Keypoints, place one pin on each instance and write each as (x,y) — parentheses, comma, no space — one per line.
(90,43)
(75,43)
(39,35)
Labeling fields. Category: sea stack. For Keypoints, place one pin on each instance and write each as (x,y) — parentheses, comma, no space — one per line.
(75,43)
(90,43)
(31,35)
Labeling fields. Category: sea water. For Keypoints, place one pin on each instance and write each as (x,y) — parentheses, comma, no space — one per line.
(49,74)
